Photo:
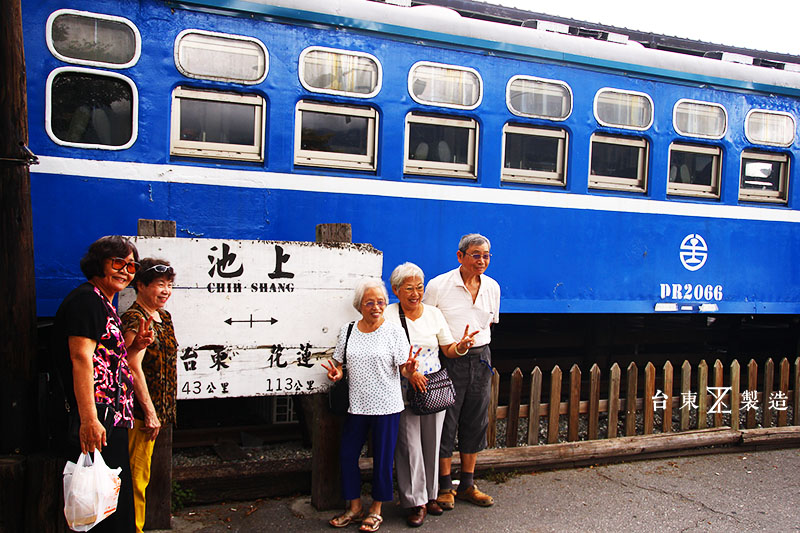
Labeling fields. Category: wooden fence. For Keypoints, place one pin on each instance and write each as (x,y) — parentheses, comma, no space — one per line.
(705,398)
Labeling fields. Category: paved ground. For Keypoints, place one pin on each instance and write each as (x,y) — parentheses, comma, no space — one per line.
(729,492)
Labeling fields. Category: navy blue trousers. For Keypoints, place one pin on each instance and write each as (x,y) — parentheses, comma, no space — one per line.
(384,438)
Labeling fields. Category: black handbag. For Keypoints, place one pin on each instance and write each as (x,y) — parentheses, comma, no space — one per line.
(439,394)
(339,393)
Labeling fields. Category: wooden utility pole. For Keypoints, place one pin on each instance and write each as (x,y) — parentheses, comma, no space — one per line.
(17,297)
(326,428)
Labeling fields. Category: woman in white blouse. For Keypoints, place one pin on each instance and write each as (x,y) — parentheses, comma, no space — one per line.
(417,453)
(377,354)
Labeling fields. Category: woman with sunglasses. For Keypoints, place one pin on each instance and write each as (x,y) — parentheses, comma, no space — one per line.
(377,353)
(154,371)
(92,359)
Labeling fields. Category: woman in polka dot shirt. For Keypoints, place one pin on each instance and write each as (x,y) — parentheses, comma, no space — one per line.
(377,355)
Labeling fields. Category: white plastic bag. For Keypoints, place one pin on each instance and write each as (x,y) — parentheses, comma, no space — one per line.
(91,490)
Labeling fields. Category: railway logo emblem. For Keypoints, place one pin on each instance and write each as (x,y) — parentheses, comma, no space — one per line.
(693,252)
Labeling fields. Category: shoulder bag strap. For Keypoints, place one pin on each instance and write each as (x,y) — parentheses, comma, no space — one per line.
(346,340)
(403,322)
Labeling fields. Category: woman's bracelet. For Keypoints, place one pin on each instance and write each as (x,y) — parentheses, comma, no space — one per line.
(459,353)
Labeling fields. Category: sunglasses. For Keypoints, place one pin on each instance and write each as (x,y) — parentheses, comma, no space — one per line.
(160,268)
(117,263)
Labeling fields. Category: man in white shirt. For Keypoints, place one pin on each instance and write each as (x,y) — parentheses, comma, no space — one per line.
(469,301)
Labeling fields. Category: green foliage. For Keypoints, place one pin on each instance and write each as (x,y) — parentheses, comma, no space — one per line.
(180,496)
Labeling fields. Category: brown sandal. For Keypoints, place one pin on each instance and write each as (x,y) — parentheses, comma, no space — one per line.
(346,518)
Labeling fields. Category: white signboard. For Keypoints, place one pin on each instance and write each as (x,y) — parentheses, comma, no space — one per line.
(255,318)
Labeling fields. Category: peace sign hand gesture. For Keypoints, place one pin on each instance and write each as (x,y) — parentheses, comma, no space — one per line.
(334,370)
(145,336)
(408,368)
(467,341)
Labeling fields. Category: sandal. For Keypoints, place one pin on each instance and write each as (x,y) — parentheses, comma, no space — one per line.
(346,518)
(375,523)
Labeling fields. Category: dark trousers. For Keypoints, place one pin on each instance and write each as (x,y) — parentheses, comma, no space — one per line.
(384,440)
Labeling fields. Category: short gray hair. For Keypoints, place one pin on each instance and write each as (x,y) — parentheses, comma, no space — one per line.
(363,286)
(472,239)
(403,272)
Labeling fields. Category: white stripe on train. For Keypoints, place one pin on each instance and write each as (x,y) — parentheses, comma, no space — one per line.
(260,179)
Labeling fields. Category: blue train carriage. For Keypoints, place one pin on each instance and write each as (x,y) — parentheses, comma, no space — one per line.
(610,177)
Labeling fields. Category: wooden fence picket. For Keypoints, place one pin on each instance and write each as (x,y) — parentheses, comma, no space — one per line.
(720,398)
(533,406)
(491,431)
(555,404)
(613,400)
(783,381)
(666,421)
(735,379)
(686,391)
(574,403)
(512,422)
(632,380)
(702,395)
(769,377)
(594,402)
(752,389)
(796,401)
(649,395)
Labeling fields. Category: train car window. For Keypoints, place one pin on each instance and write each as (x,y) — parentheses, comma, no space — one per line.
(91,109)
(331,71)
(441,146)
(445,85)
(694,170)
(618,163)
(218,56)
(534,155)
(769,127)
(218,125)
(335,136)
(764,177)
(700,119)
(527,96)
(623,109)
(93,39)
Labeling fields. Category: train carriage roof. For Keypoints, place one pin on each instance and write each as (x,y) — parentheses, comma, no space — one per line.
(436,22)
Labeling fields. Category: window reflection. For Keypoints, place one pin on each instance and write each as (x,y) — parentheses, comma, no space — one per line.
(90,109)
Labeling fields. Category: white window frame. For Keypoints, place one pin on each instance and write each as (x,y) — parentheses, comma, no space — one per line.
(88,14)
(212,150)
(615,183)
(316,158)
(291,410)
(444,66)
(698,102)
(692,189)
(752,195)
(311,88)
(48,107)
(559,177)
(229,36)
(768,112)
(623,126)
(543,80)
(439,168)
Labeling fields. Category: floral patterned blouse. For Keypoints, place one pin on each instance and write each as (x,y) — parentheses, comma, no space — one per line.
(85,312)
(159,362)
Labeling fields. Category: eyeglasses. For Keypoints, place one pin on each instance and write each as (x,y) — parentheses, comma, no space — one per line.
(485,257)
(117,263)
(410,289)
(160,268)
(370,304)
